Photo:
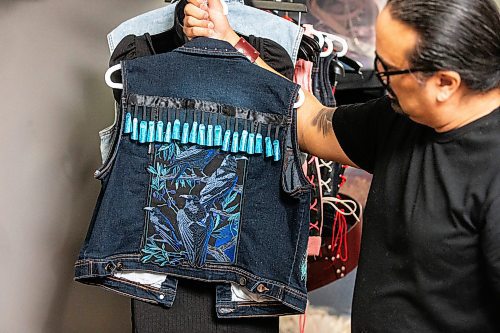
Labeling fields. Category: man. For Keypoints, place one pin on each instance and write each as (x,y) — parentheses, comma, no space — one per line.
(430,256)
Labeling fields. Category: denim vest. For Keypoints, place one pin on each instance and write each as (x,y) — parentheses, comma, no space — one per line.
(245,20)
(189,190)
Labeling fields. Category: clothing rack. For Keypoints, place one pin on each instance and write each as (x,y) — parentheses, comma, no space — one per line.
(283,6)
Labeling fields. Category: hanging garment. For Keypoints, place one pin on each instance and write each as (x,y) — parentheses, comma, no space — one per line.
(203,183)
(245,20)
(132,47)
(324,176)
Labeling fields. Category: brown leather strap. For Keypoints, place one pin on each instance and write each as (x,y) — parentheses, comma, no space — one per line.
(247,50)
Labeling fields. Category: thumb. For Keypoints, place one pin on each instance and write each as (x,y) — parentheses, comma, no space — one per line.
(218,6)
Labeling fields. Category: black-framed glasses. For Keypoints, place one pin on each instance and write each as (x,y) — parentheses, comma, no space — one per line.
(383,73)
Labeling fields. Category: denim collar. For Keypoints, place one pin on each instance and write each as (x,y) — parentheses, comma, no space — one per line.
(210,46)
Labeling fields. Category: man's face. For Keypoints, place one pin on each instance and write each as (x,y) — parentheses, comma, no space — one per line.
(409,92)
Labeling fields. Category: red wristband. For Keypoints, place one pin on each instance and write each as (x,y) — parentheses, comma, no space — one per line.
(247,50)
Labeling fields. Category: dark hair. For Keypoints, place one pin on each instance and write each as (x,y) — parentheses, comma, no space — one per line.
(457,35)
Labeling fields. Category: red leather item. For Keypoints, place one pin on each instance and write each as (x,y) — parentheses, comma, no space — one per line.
(327,268)
(247,50)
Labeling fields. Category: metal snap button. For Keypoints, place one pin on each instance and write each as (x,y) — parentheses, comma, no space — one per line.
(243,281)
(108,267)
(161,296)
(262,288)
(119,266)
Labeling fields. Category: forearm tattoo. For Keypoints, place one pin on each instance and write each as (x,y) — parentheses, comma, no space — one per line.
(323,120)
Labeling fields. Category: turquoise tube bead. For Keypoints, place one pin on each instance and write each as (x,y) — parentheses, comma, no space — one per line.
(210,136)
(185,133)
(194,133)
(276,150)
(218,135)
(159,131)
(176,131)
(168,133)
(201,135)
(151,131)
(227,141)
(258,144)
(143,131)
(269,147)
(251,144)
(234,146)
(135,130)
(128,123)
(243,141)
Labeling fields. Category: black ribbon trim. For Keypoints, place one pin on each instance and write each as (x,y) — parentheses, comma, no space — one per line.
(208,106)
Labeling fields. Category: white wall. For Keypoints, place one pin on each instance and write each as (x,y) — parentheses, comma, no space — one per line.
(53,55)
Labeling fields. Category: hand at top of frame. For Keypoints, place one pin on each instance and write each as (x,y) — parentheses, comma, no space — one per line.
(207,19)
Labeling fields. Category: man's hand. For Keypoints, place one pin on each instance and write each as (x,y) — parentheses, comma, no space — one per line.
(207,19)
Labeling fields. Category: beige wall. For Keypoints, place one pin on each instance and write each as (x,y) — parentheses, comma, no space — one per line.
(53,56)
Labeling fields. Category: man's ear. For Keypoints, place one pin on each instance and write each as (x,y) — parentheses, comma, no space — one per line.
(446,84)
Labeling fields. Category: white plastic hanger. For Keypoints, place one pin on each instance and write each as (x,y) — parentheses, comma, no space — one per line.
(300,101)
(329,48)
(340,40)
(107,77)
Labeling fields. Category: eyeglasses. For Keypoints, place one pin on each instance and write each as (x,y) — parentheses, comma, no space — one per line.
(383,73)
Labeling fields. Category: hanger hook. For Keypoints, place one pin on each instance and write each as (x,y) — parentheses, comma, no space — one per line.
(341,41)
(301,100)
(107,77)
(329,49)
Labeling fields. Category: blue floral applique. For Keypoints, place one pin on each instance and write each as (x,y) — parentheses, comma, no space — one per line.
(194,214)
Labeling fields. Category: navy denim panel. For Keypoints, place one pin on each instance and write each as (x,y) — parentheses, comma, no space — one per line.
(135,228)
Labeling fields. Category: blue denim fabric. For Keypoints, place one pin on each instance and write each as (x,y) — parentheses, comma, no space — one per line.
(152,215)
(245,20)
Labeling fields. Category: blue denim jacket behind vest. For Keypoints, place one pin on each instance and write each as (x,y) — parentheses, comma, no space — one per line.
(183,207)
(244,19)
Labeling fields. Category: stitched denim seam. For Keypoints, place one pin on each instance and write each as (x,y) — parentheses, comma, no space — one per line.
(221,269)
(210,52)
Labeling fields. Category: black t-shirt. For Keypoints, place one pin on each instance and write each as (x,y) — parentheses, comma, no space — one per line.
(430,252)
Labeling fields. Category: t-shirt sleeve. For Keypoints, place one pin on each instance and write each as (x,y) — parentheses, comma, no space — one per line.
(362,128)
(490,244)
